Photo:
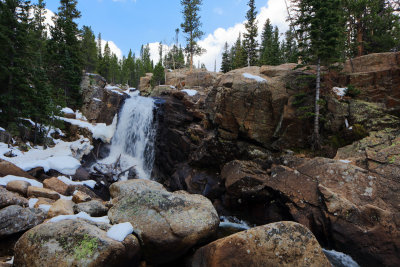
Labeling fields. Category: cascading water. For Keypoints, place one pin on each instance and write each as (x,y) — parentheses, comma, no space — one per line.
(133,142)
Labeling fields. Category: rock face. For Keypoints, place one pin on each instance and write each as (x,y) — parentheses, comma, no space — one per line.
(379,77)
(100,104)
(8,198)
(278,244)
(168,224)
(145,85)
(15,219)
(73,243)
(345,206)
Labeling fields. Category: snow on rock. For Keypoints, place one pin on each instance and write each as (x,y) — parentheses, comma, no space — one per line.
(32,202)
(67,110)
(100,130)
(340,92)
(64,157)
(45,207)
(190,92)
(63,164)
(89,183)
(345,161)
(6,179)
(80,215)
(118,232)
(254,77)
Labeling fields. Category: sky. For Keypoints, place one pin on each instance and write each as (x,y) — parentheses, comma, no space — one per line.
(127,24)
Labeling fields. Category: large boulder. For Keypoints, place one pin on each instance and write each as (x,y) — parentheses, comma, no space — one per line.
(277,244)
(145,84)
(7,168)
(345,206)
(15,219)
(200,78)
(74,243)
(168,224)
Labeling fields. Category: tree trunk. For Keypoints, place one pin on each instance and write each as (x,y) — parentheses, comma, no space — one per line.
(360,44)
(316,141)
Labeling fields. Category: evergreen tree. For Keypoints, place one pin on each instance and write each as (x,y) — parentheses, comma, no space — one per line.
(158,75)
(321,29)
(89,49)
(289,48)
(105,63)
(270,53)
(226,60)
(251,44)
(146,60)
(238,52)
(64,53)
(191,27)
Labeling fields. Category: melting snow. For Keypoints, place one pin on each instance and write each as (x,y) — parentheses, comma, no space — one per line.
(5,180)
(45,207)
(80,215)
(190,92)
(64,164)
(32,202)
(254,77)
(345,161)
(89,183)
(120,231)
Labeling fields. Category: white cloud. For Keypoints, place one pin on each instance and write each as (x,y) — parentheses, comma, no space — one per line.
(275,10)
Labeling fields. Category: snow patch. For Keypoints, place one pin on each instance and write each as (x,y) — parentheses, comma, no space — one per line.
(63,164)
(67,110)
(190,92)
(118,232)
(254,77)
(45,208)
(345,161)
(5,180)
(80,215)
(89,183)
(32,202)
(339,91)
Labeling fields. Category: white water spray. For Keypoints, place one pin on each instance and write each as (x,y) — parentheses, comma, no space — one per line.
(133,141)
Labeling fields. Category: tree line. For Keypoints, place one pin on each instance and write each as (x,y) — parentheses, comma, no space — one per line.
(362,27)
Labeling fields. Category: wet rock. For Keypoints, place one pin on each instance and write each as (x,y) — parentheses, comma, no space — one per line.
(20,187)
(8,198)
(56,185)
(277,244)
(61,207)
(168,224)
(34,191)
(15,219)
(73,243)
(94,208)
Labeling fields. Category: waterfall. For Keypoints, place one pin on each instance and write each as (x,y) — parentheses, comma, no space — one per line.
(133,141)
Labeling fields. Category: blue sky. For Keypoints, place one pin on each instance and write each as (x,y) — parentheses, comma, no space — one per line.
(131,23)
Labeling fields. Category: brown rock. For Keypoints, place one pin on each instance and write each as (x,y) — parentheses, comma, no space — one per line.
(7,168)
(61,207)
(44,201)
(79,197)
(74,243)
(277,244)
(56,185)
(8,198)
(200,78)
(94,208)
(281,70)
(34,191)
(20,187)
(144,85)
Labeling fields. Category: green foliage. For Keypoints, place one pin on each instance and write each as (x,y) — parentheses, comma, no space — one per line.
(86,247)
(158,75)
(352,91)
(250,36)
(89,49)
(191,27)
(226,64)
(300,98)
(175,58)
(238,54)
(270,52)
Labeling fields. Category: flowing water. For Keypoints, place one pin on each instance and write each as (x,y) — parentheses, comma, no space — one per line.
(133,141)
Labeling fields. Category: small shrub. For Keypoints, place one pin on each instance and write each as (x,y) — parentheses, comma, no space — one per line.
(359,131)
(352,91)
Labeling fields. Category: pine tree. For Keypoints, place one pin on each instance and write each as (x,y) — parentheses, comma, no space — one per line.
(321,29)
(238,52)
(251,44)
(64,54)
(289,48)
(104,68)
(146,60)
(226,60)
(191,27)
(89,49)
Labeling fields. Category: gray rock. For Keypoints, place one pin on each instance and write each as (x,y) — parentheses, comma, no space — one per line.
(74,243)
(168,224)
(8,198)
(15,219)
(94,208)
